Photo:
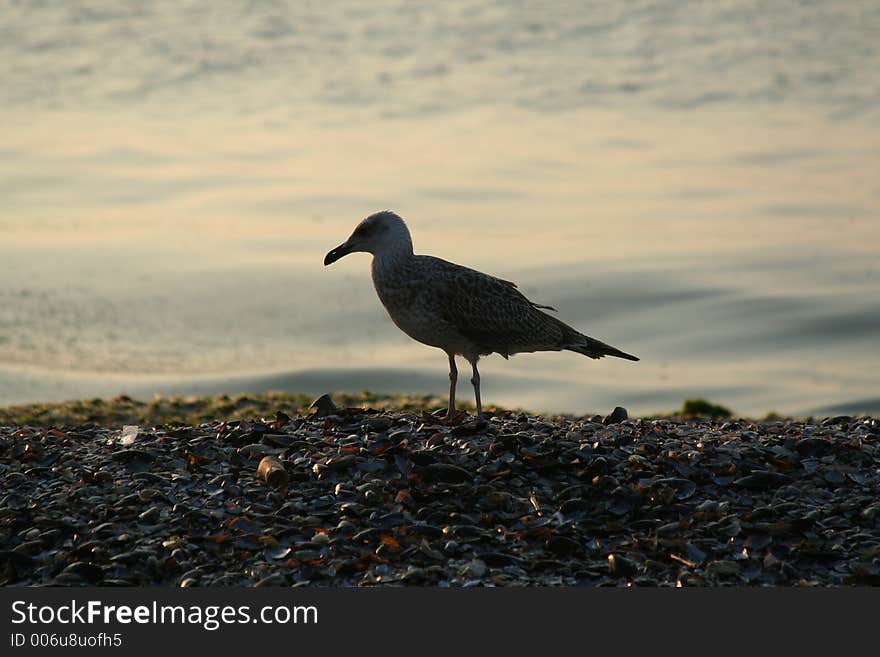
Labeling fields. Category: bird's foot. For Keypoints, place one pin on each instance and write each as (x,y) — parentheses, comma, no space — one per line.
(454,418)
(445,417)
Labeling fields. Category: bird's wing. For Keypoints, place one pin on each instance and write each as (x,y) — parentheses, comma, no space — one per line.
(490,311)
(513,285)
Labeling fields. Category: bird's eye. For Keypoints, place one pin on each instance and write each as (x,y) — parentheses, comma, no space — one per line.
(365,230)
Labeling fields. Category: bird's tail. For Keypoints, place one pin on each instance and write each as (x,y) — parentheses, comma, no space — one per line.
(597,349)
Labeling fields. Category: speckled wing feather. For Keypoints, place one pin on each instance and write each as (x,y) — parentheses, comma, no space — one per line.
(491,312)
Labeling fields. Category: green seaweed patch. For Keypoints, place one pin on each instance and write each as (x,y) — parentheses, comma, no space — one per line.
(704,408)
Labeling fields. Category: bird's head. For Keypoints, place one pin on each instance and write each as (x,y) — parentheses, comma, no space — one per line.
(382,233)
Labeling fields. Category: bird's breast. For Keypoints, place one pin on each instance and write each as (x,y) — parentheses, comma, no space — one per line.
(409,305)
(396,290)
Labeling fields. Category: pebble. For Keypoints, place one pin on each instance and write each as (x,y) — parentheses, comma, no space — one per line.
(324,406)
(616,416)
(151,515)
(474,570)
(272,472)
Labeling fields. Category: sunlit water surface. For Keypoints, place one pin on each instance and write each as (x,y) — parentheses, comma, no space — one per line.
(698,184)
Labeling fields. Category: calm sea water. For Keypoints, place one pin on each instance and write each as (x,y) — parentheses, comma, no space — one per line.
(696,183)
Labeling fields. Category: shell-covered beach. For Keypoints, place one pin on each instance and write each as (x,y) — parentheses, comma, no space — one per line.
(168,493)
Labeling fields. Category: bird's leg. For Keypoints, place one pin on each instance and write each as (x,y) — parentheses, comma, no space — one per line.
(453,377)
(476,383)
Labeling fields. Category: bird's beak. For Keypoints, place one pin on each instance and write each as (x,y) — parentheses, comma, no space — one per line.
(342,250)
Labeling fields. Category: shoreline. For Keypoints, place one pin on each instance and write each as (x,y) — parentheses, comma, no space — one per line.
(123,409)
(551,397)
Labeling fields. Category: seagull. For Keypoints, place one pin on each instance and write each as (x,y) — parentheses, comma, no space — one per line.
(460,310)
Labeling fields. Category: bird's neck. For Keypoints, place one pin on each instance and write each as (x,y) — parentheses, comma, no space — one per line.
(390,260)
